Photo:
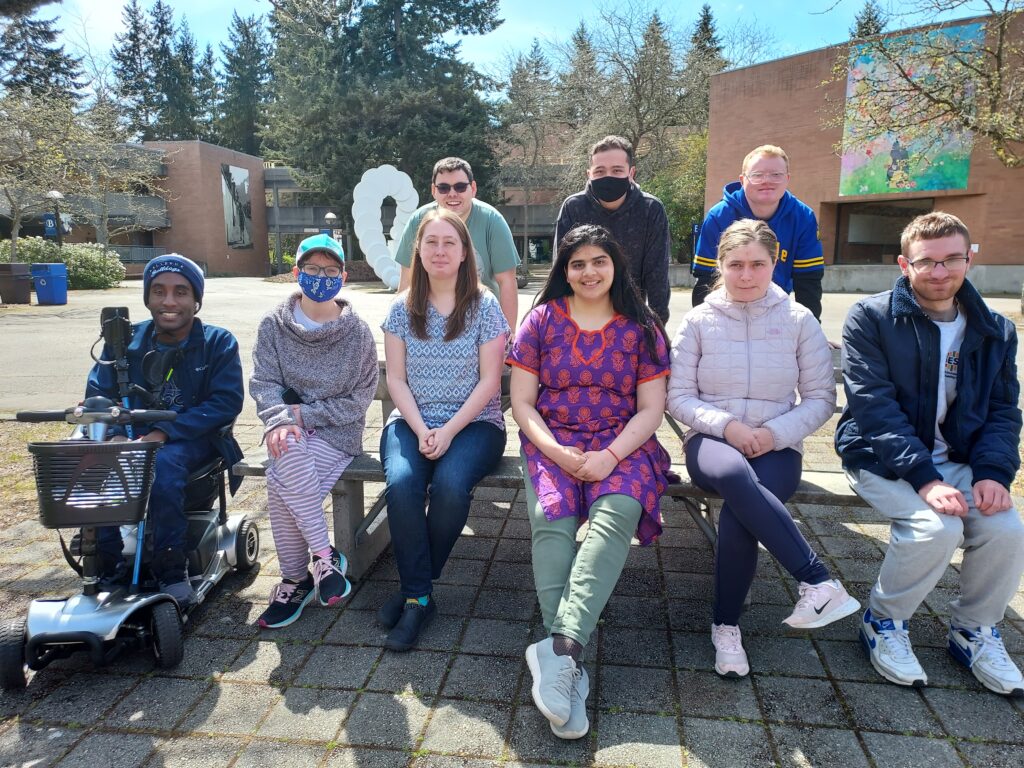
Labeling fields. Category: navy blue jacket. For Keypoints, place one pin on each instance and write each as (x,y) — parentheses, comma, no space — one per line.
(891,370)
(208,391)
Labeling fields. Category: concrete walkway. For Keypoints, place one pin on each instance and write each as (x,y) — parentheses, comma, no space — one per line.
(324,693)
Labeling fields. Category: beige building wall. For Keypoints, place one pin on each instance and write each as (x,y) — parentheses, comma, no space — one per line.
(195,208)
(783,102)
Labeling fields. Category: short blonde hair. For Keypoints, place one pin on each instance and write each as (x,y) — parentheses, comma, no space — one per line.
(745,232)
(765,149)
(932,226)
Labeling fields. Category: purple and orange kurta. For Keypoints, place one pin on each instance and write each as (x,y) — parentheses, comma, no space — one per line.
(588,386)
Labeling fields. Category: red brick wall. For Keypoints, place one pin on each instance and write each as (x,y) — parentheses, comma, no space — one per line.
(782,102)
(196,210)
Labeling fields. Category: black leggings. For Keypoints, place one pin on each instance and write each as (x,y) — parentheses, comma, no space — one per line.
(754,491)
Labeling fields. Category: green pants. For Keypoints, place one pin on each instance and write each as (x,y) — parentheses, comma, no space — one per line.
(573,587)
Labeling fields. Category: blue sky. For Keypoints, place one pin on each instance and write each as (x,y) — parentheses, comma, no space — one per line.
(797,25)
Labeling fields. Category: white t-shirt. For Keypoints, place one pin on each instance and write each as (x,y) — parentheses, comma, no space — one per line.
(950,338)
(303,320)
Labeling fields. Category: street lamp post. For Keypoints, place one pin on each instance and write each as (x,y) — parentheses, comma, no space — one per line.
(56,197)
(330,220)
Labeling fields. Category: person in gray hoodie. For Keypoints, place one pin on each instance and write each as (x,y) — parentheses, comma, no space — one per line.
(315,374)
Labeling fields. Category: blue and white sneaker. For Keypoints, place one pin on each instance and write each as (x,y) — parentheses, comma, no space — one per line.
(982,651)
(887,644)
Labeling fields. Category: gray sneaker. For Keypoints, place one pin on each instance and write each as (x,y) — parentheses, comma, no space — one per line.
(554,678)
(577,725)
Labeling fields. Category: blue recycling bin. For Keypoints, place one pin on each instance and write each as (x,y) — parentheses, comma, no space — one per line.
(51,283)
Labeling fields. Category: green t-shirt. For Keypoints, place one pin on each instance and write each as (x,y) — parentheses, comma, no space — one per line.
(492,240)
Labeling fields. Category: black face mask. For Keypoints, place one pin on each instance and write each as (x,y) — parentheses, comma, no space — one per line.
(608,189)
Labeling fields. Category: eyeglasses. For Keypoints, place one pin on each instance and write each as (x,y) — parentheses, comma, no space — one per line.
(760,178)
(952,264)
(314,271)
(460,187)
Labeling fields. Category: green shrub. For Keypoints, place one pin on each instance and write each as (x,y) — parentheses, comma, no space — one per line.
(90,265)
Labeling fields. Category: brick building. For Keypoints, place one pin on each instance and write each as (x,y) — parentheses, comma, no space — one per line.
(783,102)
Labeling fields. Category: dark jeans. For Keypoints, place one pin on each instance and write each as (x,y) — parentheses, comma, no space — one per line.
(422,538)
(165,519)
(754,492)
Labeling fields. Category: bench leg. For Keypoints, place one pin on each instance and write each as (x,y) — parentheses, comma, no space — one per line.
(349,510)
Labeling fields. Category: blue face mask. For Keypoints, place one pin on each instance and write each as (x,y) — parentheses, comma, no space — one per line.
(321,287)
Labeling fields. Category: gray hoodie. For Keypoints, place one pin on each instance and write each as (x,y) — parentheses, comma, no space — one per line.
(333,369)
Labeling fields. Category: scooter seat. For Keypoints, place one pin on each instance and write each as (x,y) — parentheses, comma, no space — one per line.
(203,485)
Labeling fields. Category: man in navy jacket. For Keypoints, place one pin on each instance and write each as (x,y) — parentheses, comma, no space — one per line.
(202,381)
(929,438)
(762,193)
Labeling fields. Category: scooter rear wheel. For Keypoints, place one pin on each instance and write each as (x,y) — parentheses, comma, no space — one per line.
(168,643)
(247,546)
(12,655)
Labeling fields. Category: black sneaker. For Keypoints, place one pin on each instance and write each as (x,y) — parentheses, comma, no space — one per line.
(329,578)
(286,603)
(406,632)
(389,613)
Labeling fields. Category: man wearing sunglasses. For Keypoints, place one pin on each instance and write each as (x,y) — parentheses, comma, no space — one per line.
(497,257)
(636,219)
(762,193)
(929,438)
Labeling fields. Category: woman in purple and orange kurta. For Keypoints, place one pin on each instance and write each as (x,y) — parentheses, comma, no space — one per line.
(590,363)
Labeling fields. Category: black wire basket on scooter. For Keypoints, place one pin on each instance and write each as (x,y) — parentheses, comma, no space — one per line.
(82,483)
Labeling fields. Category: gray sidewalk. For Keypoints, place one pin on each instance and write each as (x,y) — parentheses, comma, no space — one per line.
(324,693)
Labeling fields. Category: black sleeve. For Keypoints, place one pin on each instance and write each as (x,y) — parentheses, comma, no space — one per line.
(807,288)
(702,287)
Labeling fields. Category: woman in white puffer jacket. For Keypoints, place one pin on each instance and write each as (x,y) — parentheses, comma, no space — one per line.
(739,360)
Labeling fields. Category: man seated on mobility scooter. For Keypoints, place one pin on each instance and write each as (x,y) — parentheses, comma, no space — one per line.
(201,375)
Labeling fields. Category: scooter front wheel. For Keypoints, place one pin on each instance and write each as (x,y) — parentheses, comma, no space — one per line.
(12,655)
(168,643)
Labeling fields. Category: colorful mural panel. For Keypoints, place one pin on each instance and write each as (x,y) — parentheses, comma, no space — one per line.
(912,161)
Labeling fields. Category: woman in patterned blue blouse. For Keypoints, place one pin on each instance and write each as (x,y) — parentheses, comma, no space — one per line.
(444,341)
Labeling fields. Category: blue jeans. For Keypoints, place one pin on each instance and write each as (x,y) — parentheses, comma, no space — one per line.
(422,538)
(165,519)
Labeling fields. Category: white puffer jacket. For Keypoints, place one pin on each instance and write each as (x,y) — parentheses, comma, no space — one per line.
(747,361)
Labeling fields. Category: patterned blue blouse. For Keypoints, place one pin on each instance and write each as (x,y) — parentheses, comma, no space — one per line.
(442,374)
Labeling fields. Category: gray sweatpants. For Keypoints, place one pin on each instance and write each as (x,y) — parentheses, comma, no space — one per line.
(922,542)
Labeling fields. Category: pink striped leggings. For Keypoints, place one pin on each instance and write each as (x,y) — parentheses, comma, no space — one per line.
(297,483)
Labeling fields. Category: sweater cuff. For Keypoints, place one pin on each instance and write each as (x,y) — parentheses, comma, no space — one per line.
(922,474)
(990,472)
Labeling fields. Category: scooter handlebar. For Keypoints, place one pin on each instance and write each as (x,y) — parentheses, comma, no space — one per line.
(111,416)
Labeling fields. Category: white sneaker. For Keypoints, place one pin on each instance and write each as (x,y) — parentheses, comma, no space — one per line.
(887,644)
(730,658)
(577,726)
(554,678)
(821,604)
(982,651)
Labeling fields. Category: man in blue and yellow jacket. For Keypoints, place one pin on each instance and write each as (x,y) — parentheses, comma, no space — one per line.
(201,379)
(762,193)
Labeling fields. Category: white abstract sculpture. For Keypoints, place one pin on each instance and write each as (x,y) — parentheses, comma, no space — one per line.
(375,185)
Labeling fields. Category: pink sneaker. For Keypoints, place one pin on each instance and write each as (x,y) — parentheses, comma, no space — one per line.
(730,658)
(821,604)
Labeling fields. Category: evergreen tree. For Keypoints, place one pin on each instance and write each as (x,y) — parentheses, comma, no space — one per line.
(134,84)
(31,59)
(245,85)
(703,59)
(180,110)
(579,86)
(869,21)
(12,8)
(359,83)
(207,96)
(162,68)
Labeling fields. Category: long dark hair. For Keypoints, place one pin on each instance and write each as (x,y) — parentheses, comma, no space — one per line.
(625,297)
(467,283)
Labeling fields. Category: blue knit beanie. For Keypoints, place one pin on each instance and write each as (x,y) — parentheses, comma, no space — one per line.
(174,262)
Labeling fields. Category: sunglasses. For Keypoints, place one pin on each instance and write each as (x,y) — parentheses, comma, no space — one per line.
(460,187)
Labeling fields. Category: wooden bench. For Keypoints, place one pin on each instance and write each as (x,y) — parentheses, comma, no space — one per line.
(362,534)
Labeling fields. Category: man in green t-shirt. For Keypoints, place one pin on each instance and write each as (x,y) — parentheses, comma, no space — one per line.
(452,187)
